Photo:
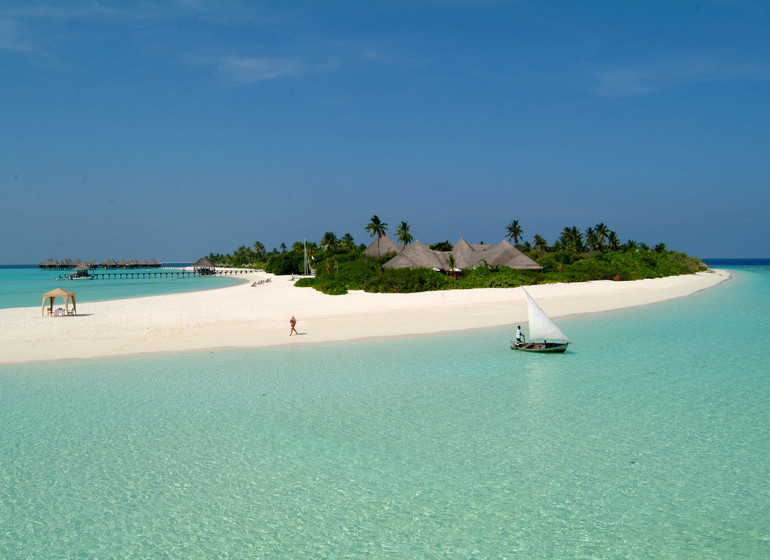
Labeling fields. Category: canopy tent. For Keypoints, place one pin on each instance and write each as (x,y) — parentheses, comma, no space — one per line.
(66,295)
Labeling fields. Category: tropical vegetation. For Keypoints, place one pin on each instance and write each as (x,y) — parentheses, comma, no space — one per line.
(377,228)
(403,235)
(339,264)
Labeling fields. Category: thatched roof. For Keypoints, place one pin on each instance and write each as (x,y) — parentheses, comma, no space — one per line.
(203,263)
(505,254)
(81,267)
(466,256)
(107,263)
(381,247)
(417,255)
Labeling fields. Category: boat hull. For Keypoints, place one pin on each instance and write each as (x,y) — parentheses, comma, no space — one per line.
(540,347)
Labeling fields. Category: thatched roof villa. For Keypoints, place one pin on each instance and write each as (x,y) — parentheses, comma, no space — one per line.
(382,246)
(419,255)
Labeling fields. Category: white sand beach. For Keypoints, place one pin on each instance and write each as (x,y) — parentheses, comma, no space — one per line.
(247,316)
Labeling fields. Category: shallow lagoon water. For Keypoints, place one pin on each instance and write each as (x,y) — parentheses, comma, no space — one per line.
(647,440)
(24,286)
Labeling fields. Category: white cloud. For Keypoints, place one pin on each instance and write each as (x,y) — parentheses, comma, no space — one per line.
(247,70)
(648,78)
(12,37)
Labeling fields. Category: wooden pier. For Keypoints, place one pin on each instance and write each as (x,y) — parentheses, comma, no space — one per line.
(128,274)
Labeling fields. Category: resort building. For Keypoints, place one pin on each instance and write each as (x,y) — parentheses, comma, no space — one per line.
(382,246)
(419,255)
(67,264)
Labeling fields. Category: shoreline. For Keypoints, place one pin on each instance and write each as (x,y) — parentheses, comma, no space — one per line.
(257,316)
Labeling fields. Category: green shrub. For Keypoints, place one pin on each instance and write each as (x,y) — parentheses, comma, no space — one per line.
(285,263)
(338,273)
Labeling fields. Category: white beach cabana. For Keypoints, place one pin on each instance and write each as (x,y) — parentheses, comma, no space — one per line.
(66,295)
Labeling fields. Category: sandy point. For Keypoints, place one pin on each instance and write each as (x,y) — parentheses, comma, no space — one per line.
(256,313)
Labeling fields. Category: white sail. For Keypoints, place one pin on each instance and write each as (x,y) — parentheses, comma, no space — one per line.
(540,325)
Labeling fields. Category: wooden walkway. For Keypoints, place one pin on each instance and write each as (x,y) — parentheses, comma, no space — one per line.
(125,274)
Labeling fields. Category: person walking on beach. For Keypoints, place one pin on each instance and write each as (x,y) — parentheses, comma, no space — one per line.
(519,335)
(293,323)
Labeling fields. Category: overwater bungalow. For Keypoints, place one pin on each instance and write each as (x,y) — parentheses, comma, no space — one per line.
(65,264)
(49,264)
(204,266)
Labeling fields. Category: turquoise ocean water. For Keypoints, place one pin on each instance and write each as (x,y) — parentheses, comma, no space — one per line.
(649,439)
(24,286)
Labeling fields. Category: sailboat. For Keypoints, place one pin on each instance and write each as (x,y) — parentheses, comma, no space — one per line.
(541,328)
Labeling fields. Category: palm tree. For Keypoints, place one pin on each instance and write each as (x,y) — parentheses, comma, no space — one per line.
(283,247)
(514,231)
(347,242)
(571,238)
(592,240)
(377,228)
(613,241)
(259,248)
(329,242)
(242,255)
(540,242)
(403,234)
(451,262)
(602,233)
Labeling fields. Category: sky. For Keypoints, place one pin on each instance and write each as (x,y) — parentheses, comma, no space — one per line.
(173,129)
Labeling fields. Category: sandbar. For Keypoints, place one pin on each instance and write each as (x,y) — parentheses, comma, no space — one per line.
(251,316)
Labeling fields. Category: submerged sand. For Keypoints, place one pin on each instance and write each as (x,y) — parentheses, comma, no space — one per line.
(247,316)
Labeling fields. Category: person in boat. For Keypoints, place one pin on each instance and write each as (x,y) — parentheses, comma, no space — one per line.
(519,335)
(293,323)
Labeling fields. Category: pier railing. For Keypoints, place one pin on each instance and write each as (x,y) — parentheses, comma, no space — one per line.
(127,274)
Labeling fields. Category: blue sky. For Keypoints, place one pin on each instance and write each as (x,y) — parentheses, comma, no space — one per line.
(173,129)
